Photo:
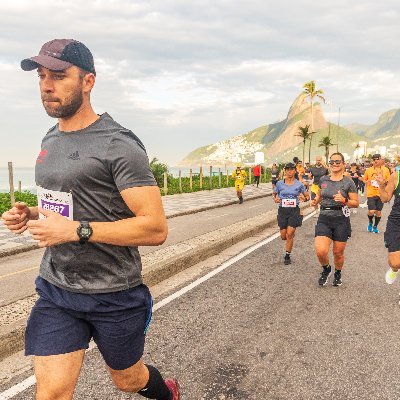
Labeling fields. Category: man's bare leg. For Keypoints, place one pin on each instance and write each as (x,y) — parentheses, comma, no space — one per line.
(57,375)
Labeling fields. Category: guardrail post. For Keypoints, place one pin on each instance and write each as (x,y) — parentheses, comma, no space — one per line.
(201,177)
(180,181)
(219,177)
(165,183)
(211,177)
(11,182)
(190,179)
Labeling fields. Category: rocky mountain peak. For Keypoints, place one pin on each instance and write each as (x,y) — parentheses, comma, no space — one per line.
(299,105)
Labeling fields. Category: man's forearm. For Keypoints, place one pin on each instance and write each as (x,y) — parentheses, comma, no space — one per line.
(384,196)
(137,231)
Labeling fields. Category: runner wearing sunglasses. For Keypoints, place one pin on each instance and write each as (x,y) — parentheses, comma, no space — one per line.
(288,193)
(375,204)
(336,194)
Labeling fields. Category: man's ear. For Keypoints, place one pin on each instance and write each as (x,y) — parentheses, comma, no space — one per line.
(88,82)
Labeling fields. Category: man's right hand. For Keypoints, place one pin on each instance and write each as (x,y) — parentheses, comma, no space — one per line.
(16,218)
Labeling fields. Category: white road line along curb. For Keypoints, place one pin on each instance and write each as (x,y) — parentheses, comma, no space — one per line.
(20,387)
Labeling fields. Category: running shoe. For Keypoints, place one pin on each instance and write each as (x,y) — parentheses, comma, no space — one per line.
(241,200)
(391,276)
(337,279)
(323,279)
(287,259)
(173,387)
(375,229)
(370,228)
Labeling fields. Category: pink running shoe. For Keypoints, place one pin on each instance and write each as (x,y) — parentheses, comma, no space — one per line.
(173,386)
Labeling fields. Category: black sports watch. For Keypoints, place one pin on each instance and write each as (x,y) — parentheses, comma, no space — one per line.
(84,232)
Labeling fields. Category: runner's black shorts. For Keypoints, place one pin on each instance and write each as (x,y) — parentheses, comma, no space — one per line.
(62,322)
(274,181)
(374,203)
(289,216)
(336,228)
(392,235)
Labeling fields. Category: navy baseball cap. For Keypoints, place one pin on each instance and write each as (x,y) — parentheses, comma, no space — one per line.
(290,165)
(60,54)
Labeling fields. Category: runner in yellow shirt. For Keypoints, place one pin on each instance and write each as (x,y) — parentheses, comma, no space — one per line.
(240,176)
(374,202)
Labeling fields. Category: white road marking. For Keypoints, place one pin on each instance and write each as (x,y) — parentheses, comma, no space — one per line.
(20,387)
(215,216)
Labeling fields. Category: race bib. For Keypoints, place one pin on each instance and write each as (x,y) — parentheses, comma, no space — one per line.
(60,202)
(374,183)
(289,203)
(346,211)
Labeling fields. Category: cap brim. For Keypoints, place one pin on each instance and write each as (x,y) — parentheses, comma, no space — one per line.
(48,62)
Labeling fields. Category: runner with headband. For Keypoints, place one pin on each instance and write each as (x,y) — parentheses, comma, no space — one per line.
(337,193)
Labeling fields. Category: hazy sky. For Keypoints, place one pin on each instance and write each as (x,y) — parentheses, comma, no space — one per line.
(183,74)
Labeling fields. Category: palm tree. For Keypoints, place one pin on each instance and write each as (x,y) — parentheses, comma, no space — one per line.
(305,134)
(312,92)
(327,143)
(356,147)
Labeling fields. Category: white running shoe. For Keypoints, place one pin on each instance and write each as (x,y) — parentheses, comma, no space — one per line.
(391,276)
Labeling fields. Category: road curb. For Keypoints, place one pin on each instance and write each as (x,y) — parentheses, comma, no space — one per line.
(18,250)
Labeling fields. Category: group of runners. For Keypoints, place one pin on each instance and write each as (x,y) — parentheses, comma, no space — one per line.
(335,190)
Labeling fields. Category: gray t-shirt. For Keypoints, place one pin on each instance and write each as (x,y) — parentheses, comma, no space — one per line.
(318,172)
(93,164)
(329,188)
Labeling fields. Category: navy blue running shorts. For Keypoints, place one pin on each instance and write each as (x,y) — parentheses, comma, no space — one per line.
(289,216)
(62,322)
(374,203)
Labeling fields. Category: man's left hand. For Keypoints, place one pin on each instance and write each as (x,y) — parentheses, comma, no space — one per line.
(54,229)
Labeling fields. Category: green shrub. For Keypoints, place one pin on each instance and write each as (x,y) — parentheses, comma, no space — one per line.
(27,197)
(158,170)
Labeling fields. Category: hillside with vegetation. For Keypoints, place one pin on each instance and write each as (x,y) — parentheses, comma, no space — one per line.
(279,141)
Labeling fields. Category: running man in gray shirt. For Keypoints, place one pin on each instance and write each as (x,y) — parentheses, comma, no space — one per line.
(98,201)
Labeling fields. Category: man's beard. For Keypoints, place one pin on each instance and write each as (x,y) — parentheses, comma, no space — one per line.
(66,110)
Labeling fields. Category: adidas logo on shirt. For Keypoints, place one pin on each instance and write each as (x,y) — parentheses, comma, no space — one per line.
(74,156)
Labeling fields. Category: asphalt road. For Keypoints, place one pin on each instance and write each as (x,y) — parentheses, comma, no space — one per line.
(262,330)
(18,272)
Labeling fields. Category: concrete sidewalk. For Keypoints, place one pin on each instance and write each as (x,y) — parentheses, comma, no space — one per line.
(174,205)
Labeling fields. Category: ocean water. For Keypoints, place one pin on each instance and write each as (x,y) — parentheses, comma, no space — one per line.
(25,175)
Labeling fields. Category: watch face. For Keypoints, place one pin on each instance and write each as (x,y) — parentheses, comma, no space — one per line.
(85,231)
